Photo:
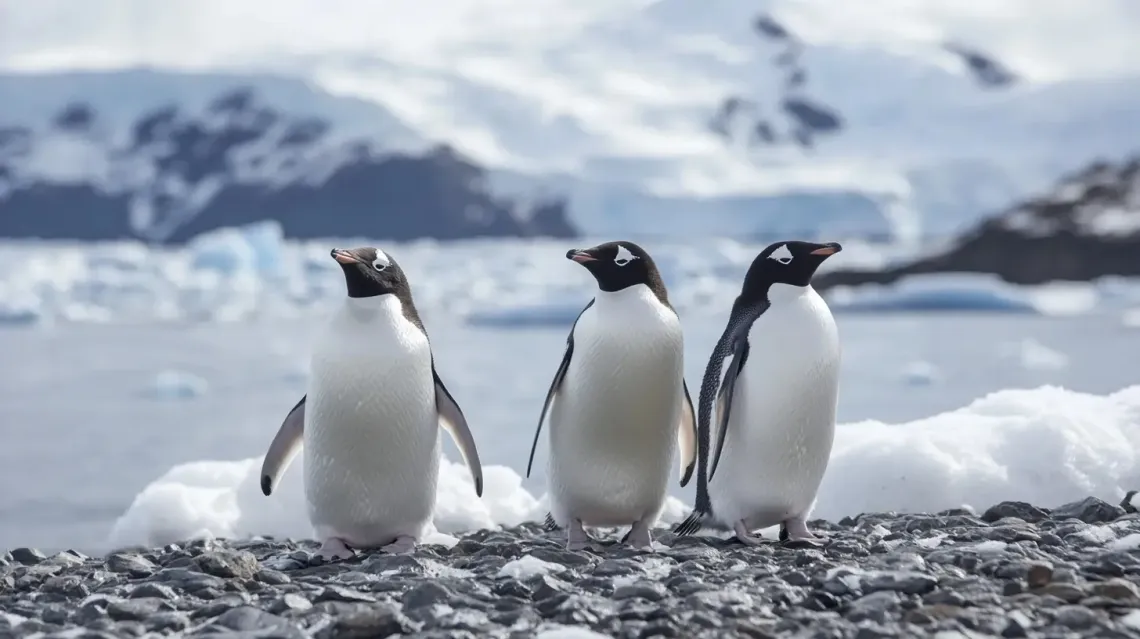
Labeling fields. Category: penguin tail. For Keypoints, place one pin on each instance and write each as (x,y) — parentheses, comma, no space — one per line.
(549,525)
(692,524)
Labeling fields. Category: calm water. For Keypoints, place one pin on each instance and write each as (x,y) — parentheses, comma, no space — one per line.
(82,437)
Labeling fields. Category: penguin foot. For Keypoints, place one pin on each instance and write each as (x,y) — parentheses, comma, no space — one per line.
(576,537)
(794,533)
(334,549)
(403,545)
(638,535)
(745,536)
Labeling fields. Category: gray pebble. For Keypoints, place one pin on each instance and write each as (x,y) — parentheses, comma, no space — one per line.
(26,556)
(646,591)
(1015,571)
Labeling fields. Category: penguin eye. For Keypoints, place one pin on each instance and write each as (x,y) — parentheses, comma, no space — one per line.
(784,260)
(379,265)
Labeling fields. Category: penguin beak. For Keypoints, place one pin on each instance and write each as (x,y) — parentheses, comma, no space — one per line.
(580,257)
(830,248)
(345,257)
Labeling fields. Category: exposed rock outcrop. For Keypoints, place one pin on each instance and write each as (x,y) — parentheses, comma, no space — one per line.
(1087,227)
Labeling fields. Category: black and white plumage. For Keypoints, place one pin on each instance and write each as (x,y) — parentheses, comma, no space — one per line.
(775,407)
(370,420)
(618,407)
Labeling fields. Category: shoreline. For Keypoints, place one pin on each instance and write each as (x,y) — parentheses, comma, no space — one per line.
(1015,570)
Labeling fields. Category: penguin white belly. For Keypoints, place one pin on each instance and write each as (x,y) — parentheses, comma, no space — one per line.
(782,424)
(371,441)
(613,426)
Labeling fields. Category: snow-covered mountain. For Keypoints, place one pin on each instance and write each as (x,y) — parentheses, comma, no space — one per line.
(670,116)
(181,168)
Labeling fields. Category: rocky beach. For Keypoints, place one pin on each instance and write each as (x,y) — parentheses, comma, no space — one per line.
(1013,570)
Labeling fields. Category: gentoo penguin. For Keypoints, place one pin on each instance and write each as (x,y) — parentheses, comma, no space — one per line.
(619,406)
(776,405)
(370,419)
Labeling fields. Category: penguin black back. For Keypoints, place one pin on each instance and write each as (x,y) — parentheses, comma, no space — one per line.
(792,263)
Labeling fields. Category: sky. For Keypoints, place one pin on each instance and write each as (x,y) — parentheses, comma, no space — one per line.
(1046,40)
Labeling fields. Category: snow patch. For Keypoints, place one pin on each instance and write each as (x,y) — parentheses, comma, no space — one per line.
(1044,446)
(528,566)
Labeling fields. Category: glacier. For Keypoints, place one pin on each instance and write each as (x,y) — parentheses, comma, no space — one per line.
(610,100)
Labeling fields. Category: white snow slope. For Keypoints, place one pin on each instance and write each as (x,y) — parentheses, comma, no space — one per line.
(611,98)
(1045,446)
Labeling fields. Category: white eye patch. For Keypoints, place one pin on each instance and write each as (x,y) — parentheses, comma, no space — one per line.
(382,261)
(782,255)
(624,256)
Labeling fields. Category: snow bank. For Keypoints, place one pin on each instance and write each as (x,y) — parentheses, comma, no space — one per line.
(1045,446)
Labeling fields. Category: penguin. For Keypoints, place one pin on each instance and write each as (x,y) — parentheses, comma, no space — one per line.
(619,407)
(369,421)
(775,408)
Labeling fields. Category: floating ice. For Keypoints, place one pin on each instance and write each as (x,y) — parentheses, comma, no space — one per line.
(956,292)
(237,273)
(16,314)
(176,385)
(920,374)
(554,314)
(256,248)
(1045,446)
(1035,356)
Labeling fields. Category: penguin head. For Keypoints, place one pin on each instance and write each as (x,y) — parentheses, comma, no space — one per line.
(369,272)
(617,265)
(792,263)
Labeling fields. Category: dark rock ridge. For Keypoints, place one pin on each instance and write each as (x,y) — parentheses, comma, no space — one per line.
(1087,227)
(1015,571)
(174,175)
(795,117)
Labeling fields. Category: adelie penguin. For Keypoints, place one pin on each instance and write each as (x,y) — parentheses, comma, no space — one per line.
(619,408)
(775,408)
(371,417)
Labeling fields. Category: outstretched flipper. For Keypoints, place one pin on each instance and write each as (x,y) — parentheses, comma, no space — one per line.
(687,437)
(732,342)
(452,419)
(555,385)
(284,447)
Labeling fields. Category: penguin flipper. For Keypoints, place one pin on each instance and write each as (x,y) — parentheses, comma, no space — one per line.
(554,386)
(724,397)
(452,420)
(283,447)
(549,525)
(687,437)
